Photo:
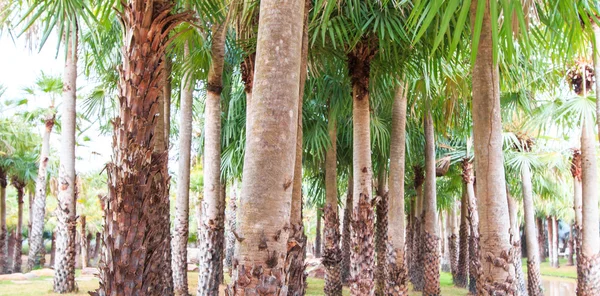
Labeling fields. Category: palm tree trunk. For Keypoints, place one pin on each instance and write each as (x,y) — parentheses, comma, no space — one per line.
(3,230)
(397,284)
(136,233)
(53,249)
(98,241)
(453,239)
(515,240)
(417,277)
(462,272)
(540,227)
(489,165)
(166,95)
(550,227)
(84,243)
(534,282)
(473,217)
(596,53)
(30,212)
(332,254)
(381,231)
(296,255)
(318,242)
(181,222)
(577,203)
(213,203)
(232,225)
(268,171)
(363,256)
(346,238)
(588,281)
(555,241)
(431,233)
(444,227)
(64,277)
(571,241)
(16,267)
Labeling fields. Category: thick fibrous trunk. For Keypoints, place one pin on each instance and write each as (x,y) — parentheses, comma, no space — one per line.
(577,202)
(3,230)
(98,241)
(318,242)
(497,271)
(515,240)
(53,249)
(462,272)
(135,256)
(84,243)
(64,276)
(346,237)
(571,242)
(453,240)
(16,267)
(231,217)
(296,254)
(540,236)
(431,237)
(555,242)
(268,171)
(397,280)
(416,274)
(533,263)
(381,232)
(588,278)
(550,227)
(332,254)
(473,217)
(182,211)
(213,204)
(363,253)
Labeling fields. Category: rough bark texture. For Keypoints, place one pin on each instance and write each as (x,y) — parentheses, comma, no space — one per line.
(3,230)
(64,275)
(432,238)
(84,243)
(417,255)
(550,227)
(473,218)
(53,249)
(297,253)
(363,255)
(20,187)
(540,236)
(231,218)
(98,243)
(588,278)
(515,240)
(346,237)
(577,202)
(533,263)
(182,201)
(497,271)
(213,205)
(555,242)
(596,54)
(397,282)
(462,272)
(318,241)
(136,248)
(571,242)
(453,240)
(260,266)
(381,232)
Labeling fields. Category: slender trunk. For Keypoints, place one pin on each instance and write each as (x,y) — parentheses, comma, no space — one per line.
(362,258)
(332,254)
(473,217)
(346,237)
(296,254)
(397,284)
(381,231)
(550,227)
(534,282)
(64,277)
(318,243)
(16,267)
(555,241)
(181,222)
(98,241)
(136,235)
(515,240)
(213,204)
(417,272)
(443,221)
(53,249)
(540,228)
(596,53)
(3,230)
(588,281)
(268,171)
(571,242)
(489,165)
(232,225)
(453,239)
(577,203)
(84,243)
(462,272)
(431,237)
(30,195)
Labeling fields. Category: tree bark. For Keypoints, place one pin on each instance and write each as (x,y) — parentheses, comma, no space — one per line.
(84,243)
(181,222)
(540,227)
(346,237)
(53,249)
(381,231)
(268,171)
(332,254)
(462,273)
(550,226)
(431,227)
(363,255)
(296,254)
(166,95)
(20,186)
(318,242)
(588,279)
(473,217)
(136,257)
(596,53)
(444,227)
(515,240)
(98,241)
(489,164)
(3,230)
(232,224)
(397,284)
(534,282)
(417,256)
(555,241)
(213,205)
(571,241)
(577,203)
(30,212)
(453,239)
(64,276)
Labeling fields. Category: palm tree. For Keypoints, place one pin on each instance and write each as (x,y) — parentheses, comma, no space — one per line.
(462,273)
(269,159)
(3,230)
(137,176)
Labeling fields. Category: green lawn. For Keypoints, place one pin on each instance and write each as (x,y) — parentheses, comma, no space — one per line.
(564,271)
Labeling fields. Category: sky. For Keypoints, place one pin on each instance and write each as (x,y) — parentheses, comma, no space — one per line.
(20,66)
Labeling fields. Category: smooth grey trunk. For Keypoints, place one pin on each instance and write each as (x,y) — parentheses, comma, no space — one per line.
(39,202)
(16,261)
(596,53)
(64,276)
(550,227)
(533,258)
(181,221)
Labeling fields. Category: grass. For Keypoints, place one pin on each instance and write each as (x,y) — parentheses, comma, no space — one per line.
(43,286)
(564,271)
